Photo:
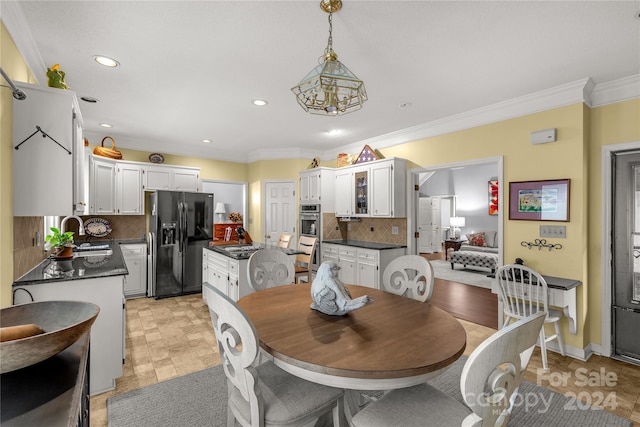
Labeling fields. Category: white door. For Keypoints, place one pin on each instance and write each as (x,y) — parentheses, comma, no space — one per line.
(424,225)
(280,211)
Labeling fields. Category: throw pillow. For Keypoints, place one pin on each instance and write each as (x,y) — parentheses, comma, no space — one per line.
(476,239)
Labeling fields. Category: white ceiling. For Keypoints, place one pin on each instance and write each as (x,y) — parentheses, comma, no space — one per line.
(190,69)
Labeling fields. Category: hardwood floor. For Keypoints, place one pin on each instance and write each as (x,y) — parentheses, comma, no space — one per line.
(477,305)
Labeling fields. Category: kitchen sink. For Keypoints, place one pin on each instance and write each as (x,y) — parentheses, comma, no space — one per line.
(99,252)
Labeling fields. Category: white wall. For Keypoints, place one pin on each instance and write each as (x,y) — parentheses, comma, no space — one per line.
(232,194)
(471,187)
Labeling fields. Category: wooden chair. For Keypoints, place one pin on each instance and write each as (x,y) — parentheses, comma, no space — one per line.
(304,261)
(523,292)
(263,394)
(410,275)
(268,268)
(489,385)
(284,241)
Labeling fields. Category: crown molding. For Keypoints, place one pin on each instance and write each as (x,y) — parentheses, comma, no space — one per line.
(616,91)
(17,26)
(559,96)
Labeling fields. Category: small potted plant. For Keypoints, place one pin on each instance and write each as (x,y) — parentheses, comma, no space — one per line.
(61,244)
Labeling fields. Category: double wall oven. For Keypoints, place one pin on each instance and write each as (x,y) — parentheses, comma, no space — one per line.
(311,226)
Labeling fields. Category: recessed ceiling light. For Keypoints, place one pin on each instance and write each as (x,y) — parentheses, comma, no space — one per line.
(106,61)
(260,102)
(207,141)
(89,99)
(105,125)
(334,132)
(406,105)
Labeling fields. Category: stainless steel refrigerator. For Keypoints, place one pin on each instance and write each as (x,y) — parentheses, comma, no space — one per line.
(180,225)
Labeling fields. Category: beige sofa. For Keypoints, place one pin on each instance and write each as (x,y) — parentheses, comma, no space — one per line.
(489,237)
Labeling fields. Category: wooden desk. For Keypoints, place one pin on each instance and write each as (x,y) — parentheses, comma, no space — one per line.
(451,244)
(562,293)
(393,343)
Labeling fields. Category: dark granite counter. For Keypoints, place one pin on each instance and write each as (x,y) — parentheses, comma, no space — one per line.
(79,268)
(53,392)
(244,251)
(364,245)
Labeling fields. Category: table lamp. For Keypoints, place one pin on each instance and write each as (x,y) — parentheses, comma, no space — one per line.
(456,222)
(220,210)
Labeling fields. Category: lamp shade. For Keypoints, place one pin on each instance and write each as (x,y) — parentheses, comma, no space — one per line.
(220,209)
(457,221)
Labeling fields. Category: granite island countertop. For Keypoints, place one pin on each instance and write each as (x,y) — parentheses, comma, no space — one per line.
(79,268)
(364,245)
(244,251)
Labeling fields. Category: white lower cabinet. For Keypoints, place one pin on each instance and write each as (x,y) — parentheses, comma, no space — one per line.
(108,331)
(135,257)
(226,274)
(360,266)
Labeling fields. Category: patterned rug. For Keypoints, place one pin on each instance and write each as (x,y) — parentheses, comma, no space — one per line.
(199,399)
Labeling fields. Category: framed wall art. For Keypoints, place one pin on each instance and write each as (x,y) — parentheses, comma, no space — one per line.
(539,200)
(493,197)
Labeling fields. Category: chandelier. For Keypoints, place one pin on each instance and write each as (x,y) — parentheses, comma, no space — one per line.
(330,89)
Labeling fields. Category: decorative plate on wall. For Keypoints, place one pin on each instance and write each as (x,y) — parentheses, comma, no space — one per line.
(156,158)
(97,227)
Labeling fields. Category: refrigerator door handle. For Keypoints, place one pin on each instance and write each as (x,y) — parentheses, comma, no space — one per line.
(180,230)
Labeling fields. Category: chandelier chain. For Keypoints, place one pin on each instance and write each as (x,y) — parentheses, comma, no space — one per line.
(330,40)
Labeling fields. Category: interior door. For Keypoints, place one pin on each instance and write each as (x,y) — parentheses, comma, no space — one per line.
(626,256)
(280,211)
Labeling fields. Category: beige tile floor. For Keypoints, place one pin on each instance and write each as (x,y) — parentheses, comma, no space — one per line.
(171,337)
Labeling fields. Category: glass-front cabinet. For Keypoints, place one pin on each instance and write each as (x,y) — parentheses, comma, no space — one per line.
(361,192)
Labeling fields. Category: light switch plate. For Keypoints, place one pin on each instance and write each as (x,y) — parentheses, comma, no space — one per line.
(556,231)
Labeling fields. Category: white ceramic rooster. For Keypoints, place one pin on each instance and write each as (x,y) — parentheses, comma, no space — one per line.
(329,294)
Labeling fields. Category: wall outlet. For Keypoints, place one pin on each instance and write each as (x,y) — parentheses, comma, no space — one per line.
(371,228)
(394,230)
(348,227)
(557,231)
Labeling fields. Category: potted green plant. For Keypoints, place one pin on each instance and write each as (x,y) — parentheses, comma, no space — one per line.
(61,244)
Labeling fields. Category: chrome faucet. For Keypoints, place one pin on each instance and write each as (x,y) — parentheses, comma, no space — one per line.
(80,230)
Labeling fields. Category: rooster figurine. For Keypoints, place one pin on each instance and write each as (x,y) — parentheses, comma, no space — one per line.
(330,295)
(56,77)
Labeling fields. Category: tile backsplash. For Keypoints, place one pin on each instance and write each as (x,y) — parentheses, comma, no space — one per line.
(27,255)
(377,230)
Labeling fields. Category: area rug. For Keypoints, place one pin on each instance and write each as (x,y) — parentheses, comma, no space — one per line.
(468,276)
(199,399)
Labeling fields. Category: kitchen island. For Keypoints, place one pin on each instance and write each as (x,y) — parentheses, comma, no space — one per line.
(225,267)
(361,262)
(96,277)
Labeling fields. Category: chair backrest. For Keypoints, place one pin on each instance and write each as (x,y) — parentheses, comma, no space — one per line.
(523,291)
(268,268)
(238,345)
(284,241)
(308,246)
(495,369)
(410,275)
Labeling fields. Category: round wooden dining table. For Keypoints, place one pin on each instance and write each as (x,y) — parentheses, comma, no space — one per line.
(394,342)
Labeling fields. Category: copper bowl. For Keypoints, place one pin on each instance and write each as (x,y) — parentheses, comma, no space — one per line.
(63,322)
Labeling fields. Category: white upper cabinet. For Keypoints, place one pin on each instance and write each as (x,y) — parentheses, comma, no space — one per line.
(166,177)
(157,178)
(185,179)
(375,189)
(43,166)
(129,189)
(103,186)
(317,187)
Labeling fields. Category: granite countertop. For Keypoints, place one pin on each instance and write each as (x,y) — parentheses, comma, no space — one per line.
(365,245)
(52,270)
(251,248)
